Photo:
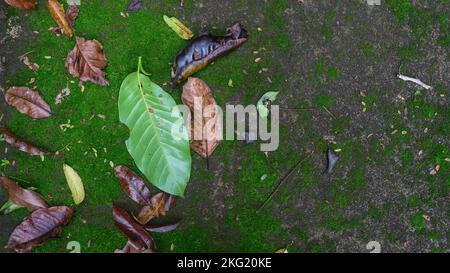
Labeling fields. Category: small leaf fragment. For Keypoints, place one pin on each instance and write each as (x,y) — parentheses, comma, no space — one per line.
(179,28)
(332,159)
(75,184)
(264,102)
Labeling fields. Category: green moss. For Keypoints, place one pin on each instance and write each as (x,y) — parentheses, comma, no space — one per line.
(324,101)
(417,221)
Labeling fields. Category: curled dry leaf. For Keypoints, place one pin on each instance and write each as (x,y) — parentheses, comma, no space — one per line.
(133,185)
(59,15)
(87,60)
(156,209)
(179,28)
(206,129)
(28,102)
(138,238)
(22,197)
(31,65)
(23,146)
(75,184)
(41,225)
(22,4)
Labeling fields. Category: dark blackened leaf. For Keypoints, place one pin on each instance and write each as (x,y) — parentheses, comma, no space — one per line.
(23,146)
(133,185)
(162,227)
(134,5)
(22,197)
(332,159)
(40,226)
(138,237)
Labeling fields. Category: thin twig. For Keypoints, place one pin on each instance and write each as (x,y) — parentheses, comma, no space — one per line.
(328,111)
(282,180)
(414,80)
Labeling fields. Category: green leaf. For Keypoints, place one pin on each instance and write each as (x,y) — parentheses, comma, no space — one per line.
(179,28)
(161,153)
(9,207)
(262,108)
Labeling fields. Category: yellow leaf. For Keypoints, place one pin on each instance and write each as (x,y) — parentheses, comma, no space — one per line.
(282,250)
(75,184)
(178,27)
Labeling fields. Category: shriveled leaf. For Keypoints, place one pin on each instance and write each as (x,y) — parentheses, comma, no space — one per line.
(41,225)
(158,139)
(133,185)
(23,146)
(156,209)
(22,4)
(72,14)
(162,227)
(332,159)
(75,184)
(31,65)
(22,197)
(264,101)
(138,237)
(206,129)
(59,15)
(179,28)
(87,60)
(134,5)
(28,102)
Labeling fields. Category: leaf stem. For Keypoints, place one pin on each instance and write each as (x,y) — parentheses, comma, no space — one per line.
(140,68)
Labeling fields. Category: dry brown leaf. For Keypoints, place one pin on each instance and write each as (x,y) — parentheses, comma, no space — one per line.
(155,210)
(28,102)
(87,60)
(206,129)
(22,4)
(59,15)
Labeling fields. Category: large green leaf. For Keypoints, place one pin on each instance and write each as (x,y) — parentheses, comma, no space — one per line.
(161,153)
